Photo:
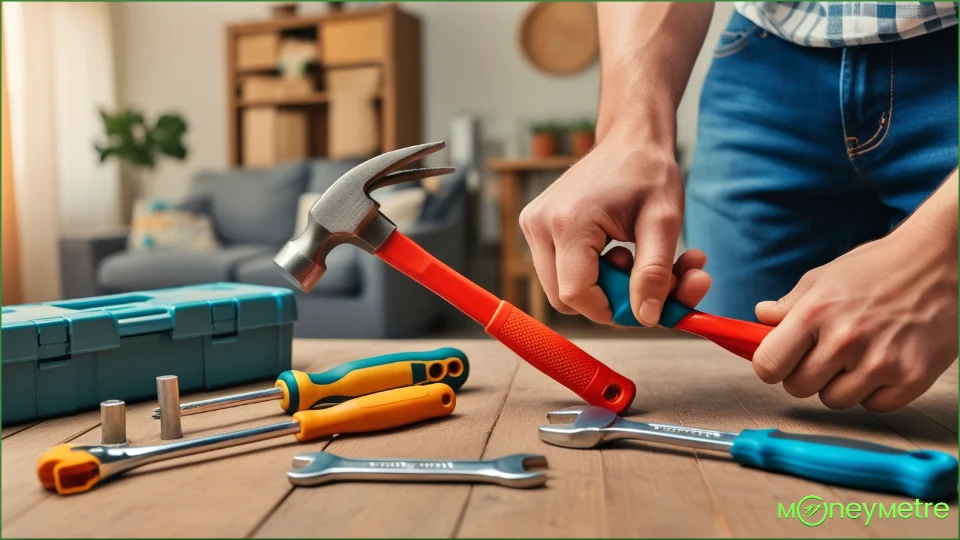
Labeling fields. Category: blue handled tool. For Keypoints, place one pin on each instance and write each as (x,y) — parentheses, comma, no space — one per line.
(923,474)
(300,391)
(739,337)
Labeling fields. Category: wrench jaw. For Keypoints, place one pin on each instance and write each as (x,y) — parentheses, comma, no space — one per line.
(565,416)
(312,469)
(571,436)
(515,471)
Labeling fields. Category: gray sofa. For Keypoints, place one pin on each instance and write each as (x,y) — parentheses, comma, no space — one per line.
(254,213)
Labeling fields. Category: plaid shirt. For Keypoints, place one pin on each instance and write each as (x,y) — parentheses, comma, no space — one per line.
(842,24)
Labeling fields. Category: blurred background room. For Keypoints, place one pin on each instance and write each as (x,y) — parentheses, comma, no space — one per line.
(150,145)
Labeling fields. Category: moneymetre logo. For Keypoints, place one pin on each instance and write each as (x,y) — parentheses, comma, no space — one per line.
(812,511)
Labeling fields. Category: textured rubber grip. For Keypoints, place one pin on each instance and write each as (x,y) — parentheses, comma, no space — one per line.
(560,359)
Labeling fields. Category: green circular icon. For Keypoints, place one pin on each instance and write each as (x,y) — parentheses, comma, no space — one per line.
(808,507)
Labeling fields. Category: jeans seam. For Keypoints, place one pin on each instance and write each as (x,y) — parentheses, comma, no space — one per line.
(859,151)
(735,47)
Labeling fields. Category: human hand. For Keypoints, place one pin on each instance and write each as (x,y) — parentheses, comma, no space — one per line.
(615,192)
(876,326)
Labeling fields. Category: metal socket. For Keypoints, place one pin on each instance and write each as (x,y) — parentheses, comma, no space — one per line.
(113,423)
(168,396)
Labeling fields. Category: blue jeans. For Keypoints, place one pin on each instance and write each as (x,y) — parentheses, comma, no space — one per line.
(804,153)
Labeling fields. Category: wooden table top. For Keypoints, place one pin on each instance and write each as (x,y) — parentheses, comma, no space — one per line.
(626,489)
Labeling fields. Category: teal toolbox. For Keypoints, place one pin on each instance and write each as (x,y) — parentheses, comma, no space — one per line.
(60,358)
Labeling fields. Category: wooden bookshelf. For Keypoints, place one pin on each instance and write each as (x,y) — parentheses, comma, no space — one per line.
(385,37)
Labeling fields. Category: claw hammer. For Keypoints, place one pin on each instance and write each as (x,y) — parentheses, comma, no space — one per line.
(346,214)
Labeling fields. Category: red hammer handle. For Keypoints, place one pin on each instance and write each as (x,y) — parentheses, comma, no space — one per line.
(739,337)
(543,348)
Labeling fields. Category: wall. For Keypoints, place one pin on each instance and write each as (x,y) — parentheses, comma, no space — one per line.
(171,56)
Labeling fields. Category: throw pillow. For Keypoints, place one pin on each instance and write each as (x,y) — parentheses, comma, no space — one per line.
(158,224)
(401,206)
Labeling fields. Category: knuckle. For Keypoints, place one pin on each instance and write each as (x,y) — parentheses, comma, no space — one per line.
(835,402)
(530,219)
(569,295)
(560,221)
(765,367)
(797,388)
(658,269)
(844,336)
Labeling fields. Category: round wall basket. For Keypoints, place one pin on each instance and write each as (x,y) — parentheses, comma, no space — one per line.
(560,38)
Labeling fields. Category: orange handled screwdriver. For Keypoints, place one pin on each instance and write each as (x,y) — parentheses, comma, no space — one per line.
(72,469)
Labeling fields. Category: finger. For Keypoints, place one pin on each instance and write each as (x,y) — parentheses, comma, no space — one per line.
(813,372)
(578,267)
(619,257)
(692,287)
(772,312)
(692,259)
(657,231)
(544,263)
(894,396)
(783,348)
(850,387)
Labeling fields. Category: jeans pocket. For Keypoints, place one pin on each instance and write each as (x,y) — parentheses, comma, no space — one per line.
(735,37)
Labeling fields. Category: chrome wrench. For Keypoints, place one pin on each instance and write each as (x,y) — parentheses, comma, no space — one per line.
(510,471)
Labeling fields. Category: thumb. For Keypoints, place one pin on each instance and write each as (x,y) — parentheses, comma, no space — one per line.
(656,232)
(772,312)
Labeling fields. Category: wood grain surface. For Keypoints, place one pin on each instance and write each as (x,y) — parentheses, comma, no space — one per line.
(625,489)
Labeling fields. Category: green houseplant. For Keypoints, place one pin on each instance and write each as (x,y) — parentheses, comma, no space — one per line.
(139,144)
(545,135)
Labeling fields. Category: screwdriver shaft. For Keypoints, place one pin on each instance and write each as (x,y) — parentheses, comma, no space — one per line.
(224,402)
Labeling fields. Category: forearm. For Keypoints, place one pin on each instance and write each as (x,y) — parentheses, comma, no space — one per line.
(647,51)
(932,228)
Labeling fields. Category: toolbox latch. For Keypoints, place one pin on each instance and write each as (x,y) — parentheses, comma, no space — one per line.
(52,339)
(224,317)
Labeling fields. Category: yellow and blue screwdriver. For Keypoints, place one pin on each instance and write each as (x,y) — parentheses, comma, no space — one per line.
(300,391)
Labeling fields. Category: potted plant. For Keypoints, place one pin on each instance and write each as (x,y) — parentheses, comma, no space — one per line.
(582,137)
(138,144)
(543,142)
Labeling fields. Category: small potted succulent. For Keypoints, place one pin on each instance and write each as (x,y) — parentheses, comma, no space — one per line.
(582,137)
(543,142)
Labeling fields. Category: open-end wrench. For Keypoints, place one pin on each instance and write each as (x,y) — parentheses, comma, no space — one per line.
(925,474)
(347,214)
(510,471)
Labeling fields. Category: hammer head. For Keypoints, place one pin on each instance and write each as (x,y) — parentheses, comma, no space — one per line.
(346,214)
(577,427)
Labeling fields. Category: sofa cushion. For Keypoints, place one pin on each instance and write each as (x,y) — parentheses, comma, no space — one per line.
(159,268)
(253,206)
(342,277)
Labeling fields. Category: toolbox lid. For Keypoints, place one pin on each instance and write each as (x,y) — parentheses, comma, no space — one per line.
(61,328)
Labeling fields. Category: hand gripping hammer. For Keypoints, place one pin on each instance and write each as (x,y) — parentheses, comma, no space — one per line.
(347,214)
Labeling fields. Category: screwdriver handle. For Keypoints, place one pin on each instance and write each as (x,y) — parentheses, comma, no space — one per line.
(303,391)
(376,412)
(739,337)
(927,475)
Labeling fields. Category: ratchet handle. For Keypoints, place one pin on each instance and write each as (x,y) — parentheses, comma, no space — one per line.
(303,391)
(923,474)
(379,411)
(560,359)
(739,337)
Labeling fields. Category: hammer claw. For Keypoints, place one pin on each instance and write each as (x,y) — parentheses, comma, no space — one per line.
(408,175)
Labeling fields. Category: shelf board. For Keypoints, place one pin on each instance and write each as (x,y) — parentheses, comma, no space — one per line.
(315,98)
(531,164)
(310,99)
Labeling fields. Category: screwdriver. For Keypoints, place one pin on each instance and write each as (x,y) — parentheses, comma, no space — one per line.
(299,391)
(739,337)
(70,469)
